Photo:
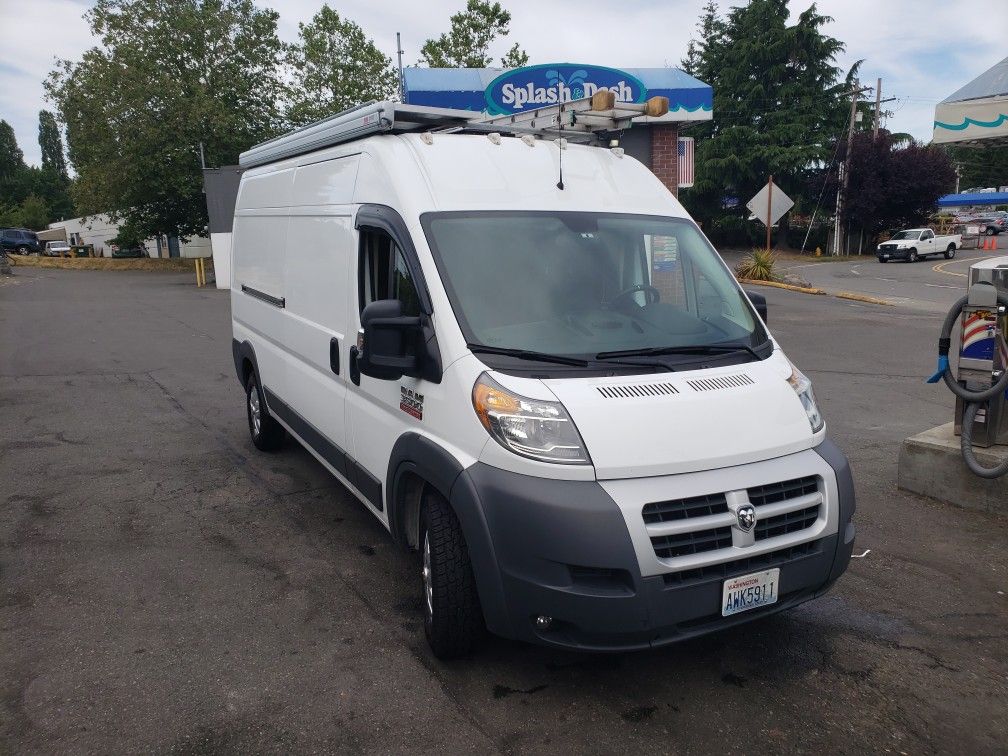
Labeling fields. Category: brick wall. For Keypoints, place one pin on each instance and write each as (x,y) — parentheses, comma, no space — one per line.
(665,165)
(665,156)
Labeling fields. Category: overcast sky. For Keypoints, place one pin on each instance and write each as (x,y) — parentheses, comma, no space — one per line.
(923,49)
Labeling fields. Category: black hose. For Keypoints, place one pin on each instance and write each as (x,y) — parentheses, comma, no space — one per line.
(966,444)
(944,343)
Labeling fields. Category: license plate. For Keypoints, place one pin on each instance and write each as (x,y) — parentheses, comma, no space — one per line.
(750,591)
(885,257)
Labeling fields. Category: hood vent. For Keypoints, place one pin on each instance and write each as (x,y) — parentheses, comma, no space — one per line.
(720,382)
(635,391)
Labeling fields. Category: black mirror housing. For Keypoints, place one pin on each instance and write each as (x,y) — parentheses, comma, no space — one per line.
(394,345)
(759,302)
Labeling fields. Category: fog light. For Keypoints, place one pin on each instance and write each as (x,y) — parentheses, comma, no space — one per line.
(542,622)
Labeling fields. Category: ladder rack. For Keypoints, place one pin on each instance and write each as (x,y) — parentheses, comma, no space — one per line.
(585,117)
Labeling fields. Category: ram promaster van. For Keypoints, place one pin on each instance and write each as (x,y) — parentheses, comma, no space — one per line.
(528,362)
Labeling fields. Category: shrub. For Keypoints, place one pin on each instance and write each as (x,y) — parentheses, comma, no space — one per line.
(758,265)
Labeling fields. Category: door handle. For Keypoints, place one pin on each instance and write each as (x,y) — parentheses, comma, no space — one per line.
(334,355)
(354,367)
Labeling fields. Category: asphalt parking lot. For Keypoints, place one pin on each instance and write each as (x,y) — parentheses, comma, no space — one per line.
(164,587)
(931,285)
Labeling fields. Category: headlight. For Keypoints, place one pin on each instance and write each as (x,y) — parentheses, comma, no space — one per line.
(531,427)
(803,387)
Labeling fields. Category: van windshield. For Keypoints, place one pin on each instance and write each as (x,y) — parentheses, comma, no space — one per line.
(586,284)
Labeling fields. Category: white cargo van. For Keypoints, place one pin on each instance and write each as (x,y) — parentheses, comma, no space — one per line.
(559,397)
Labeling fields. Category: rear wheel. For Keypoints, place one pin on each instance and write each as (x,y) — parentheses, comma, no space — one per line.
(990,231)
(267,434)
(950,252)
(914,257)
(453,620)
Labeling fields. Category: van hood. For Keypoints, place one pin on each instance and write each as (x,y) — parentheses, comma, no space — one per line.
(663,424)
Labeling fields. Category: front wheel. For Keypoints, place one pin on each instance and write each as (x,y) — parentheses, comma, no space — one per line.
(990,231)
(883,260)
(950,252)
(267,434)
(22,250)
(914,257)
(453,619)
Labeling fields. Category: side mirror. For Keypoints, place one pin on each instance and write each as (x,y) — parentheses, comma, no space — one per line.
(390,341)
(759,302)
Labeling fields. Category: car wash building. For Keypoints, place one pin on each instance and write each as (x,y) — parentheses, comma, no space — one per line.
(653,141)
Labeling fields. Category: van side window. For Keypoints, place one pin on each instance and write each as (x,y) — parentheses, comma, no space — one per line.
(384,273)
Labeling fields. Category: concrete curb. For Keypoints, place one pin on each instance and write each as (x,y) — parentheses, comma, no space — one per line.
(168,265)
(778,285)
(931,464)
(863,298)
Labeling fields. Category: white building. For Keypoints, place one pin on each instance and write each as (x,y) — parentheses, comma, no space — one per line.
(99,230)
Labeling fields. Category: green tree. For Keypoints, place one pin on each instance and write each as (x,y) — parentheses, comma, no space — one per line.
(164,77)
(980,167)
(51,144)
(710,31)
(11,157)
(334,66)
(779,101)
(467,43)
(52,182)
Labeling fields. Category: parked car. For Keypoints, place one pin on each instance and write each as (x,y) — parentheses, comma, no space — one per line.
(991,225)
(20,240)
(131,251)
(558,396)
(56,249)
(915,244)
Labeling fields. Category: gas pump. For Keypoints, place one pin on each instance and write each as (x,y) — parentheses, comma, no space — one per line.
(981,389)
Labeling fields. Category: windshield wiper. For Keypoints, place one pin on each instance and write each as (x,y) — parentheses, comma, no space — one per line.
(686,349)
(527,354)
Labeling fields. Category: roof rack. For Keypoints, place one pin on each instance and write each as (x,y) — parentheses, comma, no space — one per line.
(585,117)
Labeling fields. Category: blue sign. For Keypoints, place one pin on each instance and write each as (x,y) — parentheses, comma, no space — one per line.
(535,86)
(497,91)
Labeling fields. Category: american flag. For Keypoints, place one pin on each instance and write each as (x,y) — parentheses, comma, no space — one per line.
(685,161)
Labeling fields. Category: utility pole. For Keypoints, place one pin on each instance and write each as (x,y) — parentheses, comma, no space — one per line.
(878,104)
(402,83)
(845,168)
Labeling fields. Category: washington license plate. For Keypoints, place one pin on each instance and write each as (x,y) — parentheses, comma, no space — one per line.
(750,591)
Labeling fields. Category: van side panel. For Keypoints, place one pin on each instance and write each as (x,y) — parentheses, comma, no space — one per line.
(319,248)
(258,286)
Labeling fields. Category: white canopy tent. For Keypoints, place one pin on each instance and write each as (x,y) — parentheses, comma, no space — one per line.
(976,113)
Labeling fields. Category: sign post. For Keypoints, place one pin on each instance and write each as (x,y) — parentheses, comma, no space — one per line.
(769,206)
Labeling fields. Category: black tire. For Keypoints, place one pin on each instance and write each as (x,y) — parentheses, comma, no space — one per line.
(913,256)
(22,250)
(990,231)
(453,619)
(267,434)
(883,260)
(950,252)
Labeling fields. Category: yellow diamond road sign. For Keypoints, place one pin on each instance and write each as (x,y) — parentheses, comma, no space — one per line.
(780,203)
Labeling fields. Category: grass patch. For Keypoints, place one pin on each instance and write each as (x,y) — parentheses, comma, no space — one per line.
(167,264)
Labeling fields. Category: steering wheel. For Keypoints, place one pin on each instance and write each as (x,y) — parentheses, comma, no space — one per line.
(651,295)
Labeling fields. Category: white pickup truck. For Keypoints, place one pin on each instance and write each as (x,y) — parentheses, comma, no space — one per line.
(915,244)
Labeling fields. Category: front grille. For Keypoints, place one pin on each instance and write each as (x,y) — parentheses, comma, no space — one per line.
(680,509)
(786,523)
(683,544)
(788,489)
(731,569)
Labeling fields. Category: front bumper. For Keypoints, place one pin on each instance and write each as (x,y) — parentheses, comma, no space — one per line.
(893,254)
(563,549)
